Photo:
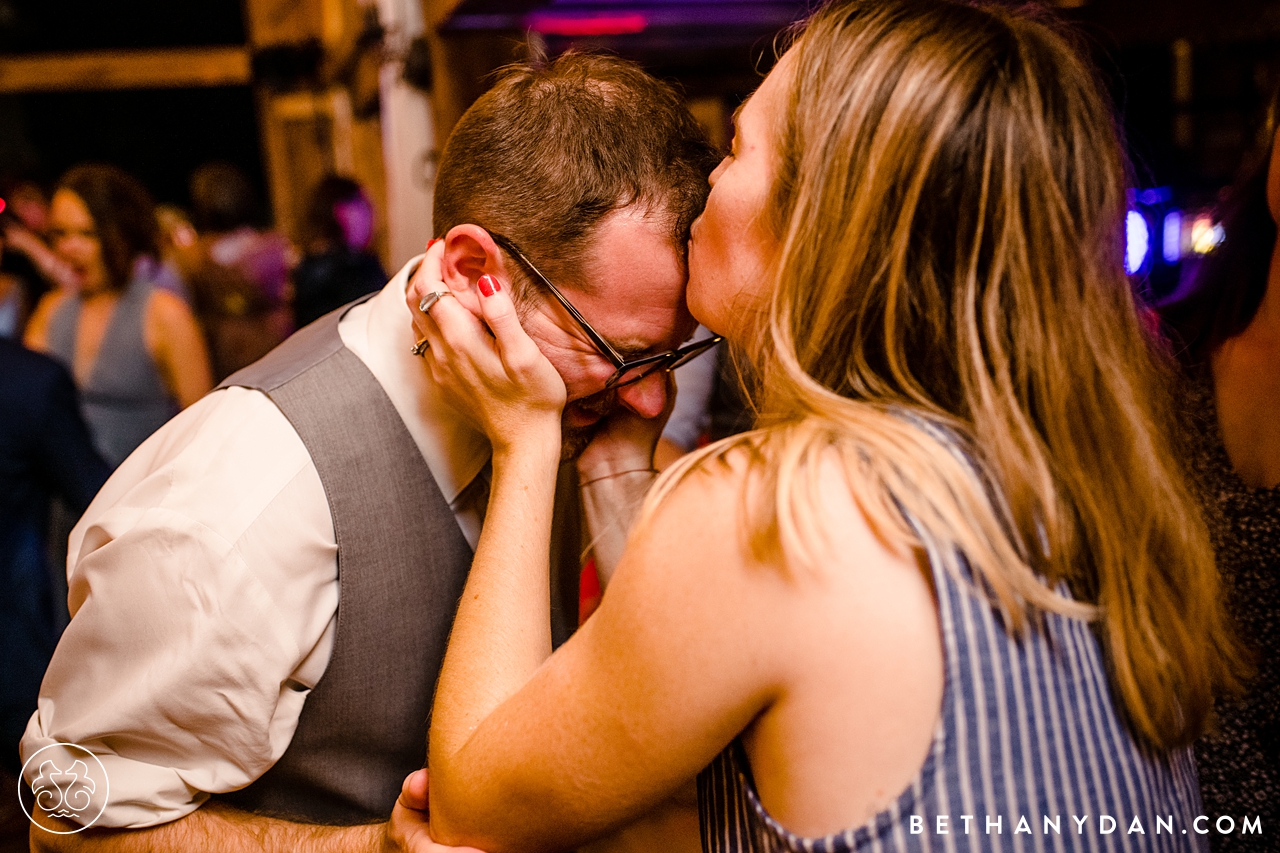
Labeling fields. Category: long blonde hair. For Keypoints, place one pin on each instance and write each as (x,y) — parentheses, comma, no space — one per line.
(949,208)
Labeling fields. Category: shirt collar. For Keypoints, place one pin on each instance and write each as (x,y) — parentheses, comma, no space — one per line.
(380,333)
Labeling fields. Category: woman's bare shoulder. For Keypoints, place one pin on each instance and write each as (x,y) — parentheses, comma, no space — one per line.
(708,488)
(37,334)
(166,306)
(736,506)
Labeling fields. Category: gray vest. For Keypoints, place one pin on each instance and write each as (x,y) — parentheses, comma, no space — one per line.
(402,565)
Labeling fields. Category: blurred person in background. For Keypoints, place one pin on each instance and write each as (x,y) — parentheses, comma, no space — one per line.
(45,452)
(176,243)
(135,350)
(240,283)
(179,242)
(1226,332)
(27,201)
(338,265)
(14,305)
(24,224)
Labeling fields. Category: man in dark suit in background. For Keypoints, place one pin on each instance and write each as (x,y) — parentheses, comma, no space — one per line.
(45,452)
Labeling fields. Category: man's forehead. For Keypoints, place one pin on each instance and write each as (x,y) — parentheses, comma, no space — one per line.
(634,318)
(643,221)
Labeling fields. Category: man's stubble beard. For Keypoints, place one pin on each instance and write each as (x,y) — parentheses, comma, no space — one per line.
(574,440)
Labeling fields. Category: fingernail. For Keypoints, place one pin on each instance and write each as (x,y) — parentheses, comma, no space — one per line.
(489,285)
(432,242)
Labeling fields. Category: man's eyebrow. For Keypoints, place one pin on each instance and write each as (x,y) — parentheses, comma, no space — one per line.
(632,348)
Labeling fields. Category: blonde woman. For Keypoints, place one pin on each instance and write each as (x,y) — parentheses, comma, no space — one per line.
(953,593)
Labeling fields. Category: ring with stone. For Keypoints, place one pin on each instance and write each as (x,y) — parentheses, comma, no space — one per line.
(421,347)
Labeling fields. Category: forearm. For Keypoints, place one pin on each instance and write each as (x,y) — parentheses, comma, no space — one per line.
(55,270)
(502,631)
(615,473)
(215,827)
(611,503)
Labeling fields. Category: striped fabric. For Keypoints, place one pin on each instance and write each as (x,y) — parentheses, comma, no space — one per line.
(1029,745)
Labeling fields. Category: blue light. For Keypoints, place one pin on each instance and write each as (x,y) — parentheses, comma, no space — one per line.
(1172,237)
(1153,197)
(1137,242)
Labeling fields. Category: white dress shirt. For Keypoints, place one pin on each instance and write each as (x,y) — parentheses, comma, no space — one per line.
(203,585)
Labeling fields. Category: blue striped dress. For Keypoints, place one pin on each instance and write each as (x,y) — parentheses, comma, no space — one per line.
(1031,753)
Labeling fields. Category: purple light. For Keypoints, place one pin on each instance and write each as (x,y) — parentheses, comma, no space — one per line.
(1172,237)
(591,25)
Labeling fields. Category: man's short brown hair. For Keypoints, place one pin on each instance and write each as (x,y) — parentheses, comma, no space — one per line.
(553,147)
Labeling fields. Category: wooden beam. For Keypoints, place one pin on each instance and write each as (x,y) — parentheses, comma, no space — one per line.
(436,12)
(125,69)
(283,21)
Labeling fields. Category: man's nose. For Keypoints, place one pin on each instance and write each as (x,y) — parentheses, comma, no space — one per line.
(648,397)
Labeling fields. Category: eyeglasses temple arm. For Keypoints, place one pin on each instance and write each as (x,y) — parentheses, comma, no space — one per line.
(596,339)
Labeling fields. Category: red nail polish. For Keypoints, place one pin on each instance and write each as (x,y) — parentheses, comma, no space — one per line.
(488,285)
(432,242)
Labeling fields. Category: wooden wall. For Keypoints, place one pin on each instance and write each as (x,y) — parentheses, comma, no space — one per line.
(308,133)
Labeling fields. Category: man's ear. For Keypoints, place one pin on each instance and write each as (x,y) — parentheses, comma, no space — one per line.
(469,252)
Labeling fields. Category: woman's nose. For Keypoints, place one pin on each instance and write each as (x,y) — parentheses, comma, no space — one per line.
(715,175)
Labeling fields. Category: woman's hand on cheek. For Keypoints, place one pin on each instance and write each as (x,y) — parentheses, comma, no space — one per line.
(491,371)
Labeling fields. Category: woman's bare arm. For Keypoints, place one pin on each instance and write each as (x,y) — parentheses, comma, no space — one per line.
(530,754)
(178,347)
(36,336)
(502,631)
(681,656)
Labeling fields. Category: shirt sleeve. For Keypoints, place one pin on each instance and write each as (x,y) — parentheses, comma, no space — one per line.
(203,588)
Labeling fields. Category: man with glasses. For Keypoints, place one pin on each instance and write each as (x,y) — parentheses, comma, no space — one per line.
(599,376)
(627,370)
(262,593)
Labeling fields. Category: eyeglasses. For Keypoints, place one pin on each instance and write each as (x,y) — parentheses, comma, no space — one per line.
(628,370)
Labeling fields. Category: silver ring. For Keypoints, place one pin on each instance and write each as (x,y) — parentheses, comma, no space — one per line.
(431,299)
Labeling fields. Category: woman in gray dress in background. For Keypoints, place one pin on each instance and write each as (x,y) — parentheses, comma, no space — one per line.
(136,352)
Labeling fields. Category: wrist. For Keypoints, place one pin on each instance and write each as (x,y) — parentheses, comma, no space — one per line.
(600,465)
(536,444)
(585,480)
(604,459)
